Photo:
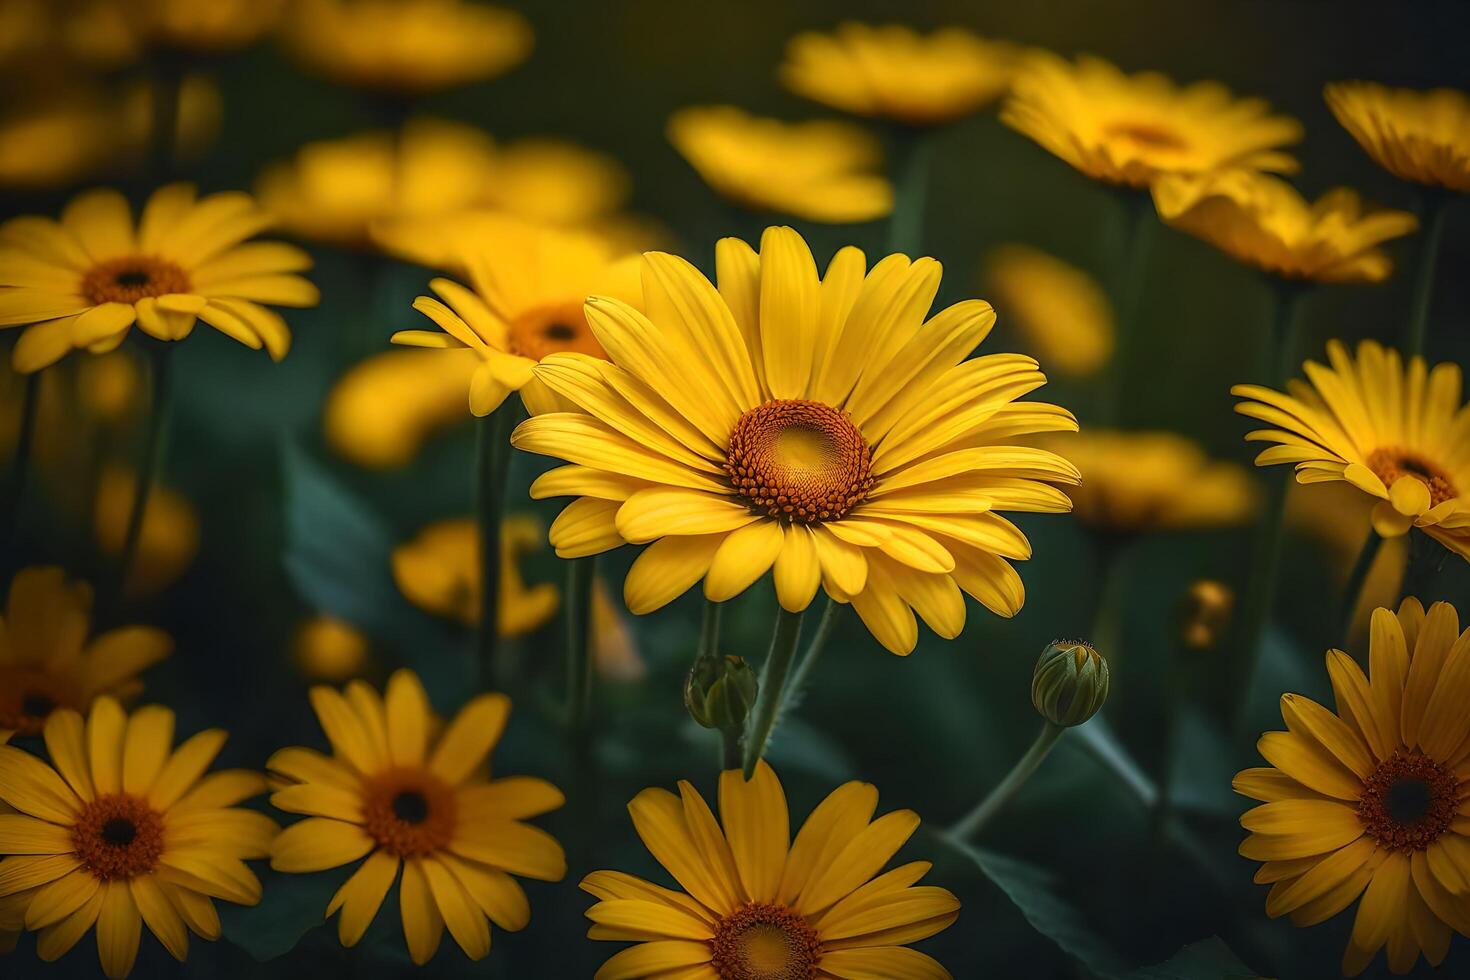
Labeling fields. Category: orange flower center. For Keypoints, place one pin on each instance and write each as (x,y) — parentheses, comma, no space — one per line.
(551,330)
(409,812)
(1148,135)
(1409,801)
(27,698)
(799,460)
(131,278)
(765,941)
(118,836)
(1391,464)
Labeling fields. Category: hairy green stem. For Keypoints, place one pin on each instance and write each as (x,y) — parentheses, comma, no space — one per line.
(1357,578)
(160,370)
(831,613)
(1132,263)
(912,152)
(1417,332)
(492,463)
(709,630)
(772,686)
(1004,791)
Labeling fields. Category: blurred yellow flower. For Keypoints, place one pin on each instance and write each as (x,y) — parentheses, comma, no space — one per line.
(1416,135)
(47,661)
(1263,221)
(381,412)
(409,791)
(822,170)
(187,25)
(108,387)
(1335,514)
(1063,315)
(169,538)
(123,830)
(757,904)
(12,913)
(825,428)
(411,184)
(1366,801)
(1399,435)
(1131,129)
(894,72)
(408,46)
(1139,482)
(83,281)
(530,283)
(329,649)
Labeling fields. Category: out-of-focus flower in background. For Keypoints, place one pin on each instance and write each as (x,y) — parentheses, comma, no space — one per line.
(213,27)
(84,281)
(1419,136)
(47,660)
(1131,129)
(893,72)
(1263,221)
(1061,312)
(529,286)
(405,46)
(381,412)
(329,649)
(169,538)
(823,170)
(1139,482)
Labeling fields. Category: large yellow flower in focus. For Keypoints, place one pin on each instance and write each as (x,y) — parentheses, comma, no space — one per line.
(1419,136)
(83,281)
(1131,129)
(1368,801)
(122,831)
(822,426)
(47,660)
(1061,311)
(1263,221)
(1140,482)
(1400,435)
(408,184)
(407,791)
(408,46)
(757,904)
(894,72)
(529,286)
(822,170)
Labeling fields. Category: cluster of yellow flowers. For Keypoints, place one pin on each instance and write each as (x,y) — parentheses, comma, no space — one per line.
(824,423)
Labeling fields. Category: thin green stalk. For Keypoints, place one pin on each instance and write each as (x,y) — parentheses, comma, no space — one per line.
(160,370)
(20,464)
(578,612)
(709,630)
(1005,790)
(772,686)
(831,613)
(912,152)
(1354,590)
(168,82)
(1134,240)
(730,748)
(1261,586)
(492,463)
(1418,326)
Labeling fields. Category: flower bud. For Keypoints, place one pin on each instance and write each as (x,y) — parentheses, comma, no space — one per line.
(720,692)
(1070,683)
(1204,614)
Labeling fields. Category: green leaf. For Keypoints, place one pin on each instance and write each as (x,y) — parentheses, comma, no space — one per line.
(1098,737)
(292,906)
(1208,959)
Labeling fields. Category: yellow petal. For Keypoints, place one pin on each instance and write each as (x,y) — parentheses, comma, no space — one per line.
(469,738)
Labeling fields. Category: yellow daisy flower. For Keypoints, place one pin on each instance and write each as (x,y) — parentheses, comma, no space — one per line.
(820,425)
(894,72)
(124,832)
(188,25)
(381,412)
(404,792)
(529,286)
(12,912)
(169,538)
(412,46)
(758,905)
(1130,129)
(821,170)
(1398,435)
(329,649)
(1061,311)
(1368,801)
(83,281)
(1419,136)
(1263,221)
(46,659)
(407,184)
(1139,482)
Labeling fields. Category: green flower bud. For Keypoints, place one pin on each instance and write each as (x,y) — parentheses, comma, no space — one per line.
(1070,683)
(720,692)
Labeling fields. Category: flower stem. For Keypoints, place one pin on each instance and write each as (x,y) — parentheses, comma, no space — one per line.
(20,465)
(1261,585)
(492,463)
(160,372)
(1356,579)
(578,611)
(1418,327)
(168,82)
(1133,246)
(825,627)
(911,151)
(772,686)
(1005,790)
(709,630)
